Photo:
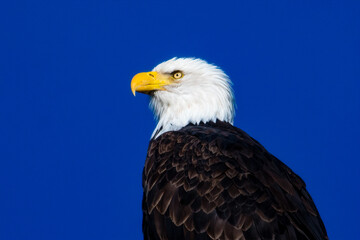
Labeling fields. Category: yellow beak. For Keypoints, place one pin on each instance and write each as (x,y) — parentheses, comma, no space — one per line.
(146,82)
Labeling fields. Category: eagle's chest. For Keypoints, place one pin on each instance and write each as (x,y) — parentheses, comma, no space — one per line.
(181,162)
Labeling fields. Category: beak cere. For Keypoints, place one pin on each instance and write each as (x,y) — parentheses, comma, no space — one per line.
(146,82)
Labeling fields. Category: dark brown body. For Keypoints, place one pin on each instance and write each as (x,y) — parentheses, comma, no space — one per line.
(213,181)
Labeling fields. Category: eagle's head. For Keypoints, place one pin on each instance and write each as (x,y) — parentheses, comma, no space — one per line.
(186,90)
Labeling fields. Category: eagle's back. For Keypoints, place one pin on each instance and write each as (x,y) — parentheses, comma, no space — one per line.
(213,181)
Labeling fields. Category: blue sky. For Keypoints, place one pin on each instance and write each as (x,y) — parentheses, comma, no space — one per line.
(73,139)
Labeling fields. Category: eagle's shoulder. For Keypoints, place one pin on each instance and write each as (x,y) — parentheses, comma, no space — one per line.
(211,181)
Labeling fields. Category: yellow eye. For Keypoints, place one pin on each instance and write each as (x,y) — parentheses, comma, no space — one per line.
(177,75)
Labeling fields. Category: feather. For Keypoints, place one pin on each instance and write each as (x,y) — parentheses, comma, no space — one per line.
(239,192)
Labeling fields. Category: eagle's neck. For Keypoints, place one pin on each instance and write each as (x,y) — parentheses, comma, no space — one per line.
(174,113)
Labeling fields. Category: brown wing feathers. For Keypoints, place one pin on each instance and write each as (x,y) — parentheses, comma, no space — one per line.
(213,181)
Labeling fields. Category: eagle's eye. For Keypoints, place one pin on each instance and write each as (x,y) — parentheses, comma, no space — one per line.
(177,74)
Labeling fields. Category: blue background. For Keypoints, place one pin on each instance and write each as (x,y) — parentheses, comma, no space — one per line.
(73,139)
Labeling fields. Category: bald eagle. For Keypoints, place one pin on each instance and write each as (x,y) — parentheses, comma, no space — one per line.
(206,179)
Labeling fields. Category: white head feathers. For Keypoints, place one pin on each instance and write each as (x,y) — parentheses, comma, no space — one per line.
(203,94)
